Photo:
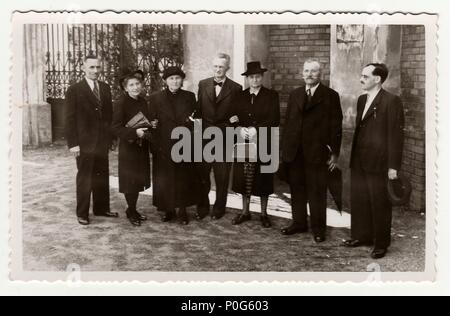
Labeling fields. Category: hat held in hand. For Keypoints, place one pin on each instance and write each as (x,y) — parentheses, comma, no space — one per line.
(399,191)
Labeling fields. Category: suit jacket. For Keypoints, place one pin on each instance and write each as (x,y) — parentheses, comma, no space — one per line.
(217,111)
(88,123)
(314,127)
(378,139)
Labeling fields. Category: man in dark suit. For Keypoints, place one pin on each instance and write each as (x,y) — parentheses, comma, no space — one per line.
(312,131)
(216,107)
(88,124)
(376,157)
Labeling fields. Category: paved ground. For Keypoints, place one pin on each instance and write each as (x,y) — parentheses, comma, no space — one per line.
(53,239)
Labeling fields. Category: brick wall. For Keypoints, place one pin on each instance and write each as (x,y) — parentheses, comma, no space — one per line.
(290,46)
(413,96)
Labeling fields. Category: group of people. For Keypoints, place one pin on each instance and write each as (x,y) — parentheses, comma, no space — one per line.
(310,147)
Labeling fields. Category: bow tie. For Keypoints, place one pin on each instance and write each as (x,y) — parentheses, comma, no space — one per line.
(220,84)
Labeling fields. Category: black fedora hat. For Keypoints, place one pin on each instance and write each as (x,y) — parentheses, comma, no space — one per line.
(173,71)
(254,68)
(399,191)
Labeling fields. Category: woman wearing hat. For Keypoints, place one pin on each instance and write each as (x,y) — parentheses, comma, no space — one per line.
(258,107)
(134,160)
(175,186)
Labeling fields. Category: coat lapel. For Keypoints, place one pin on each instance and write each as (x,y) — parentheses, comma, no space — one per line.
(316,99)
(90,95)
(373,107)
(211,90)
(301,98)
(225,92)
(360,109)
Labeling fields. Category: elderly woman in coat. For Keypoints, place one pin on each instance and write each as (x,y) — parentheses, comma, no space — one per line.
(134,154)
(258,107)
(175,183)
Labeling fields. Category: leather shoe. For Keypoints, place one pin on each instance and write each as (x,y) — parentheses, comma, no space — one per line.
(292,230)
(133,217)
(134,220)
(378,253)
(83,221)
(265,221)
(319,239)
(199,216)
(217,216)
(239,219)
(167,217)
(108,214)
(183,217)
(354,243)
(141,217)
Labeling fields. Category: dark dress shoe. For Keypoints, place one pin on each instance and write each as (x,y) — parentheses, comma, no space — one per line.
(135,221)
(167,217)
(108,214)
(378,254)
(265,221)
(184,220)
(83,221)
(319,239)
(141,217)
(354,243)
(242,218)
(183,217)
(201,213)
(292,230)
(217,214)
(133,217)
(199,216)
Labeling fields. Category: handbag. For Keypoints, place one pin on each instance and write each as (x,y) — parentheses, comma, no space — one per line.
(138,121)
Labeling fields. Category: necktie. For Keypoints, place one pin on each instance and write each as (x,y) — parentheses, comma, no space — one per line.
(253,98)
(97,91)
(308,92)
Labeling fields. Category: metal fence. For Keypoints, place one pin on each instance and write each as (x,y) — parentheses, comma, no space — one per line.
(150,48)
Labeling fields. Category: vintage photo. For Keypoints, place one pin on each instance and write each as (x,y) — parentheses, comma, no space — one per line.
(198,147)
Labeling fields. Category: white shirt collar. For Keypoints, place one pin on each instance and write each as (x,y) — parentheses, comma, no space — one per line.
(255,92)
(90,83)
(373,93)
(313,89)
(222,81)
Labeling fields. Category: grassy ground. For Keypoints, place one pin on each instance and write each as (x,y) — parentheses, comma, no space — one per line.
(53,239)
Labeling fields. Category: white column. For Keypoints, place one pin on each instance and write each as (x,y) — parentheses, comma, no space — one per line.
(37,121)
(239,54)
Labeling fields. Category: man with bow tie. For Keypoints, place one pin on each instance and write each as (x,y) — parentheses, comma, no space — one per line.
(376,158)
(88,133)
(217,97)
(310,149)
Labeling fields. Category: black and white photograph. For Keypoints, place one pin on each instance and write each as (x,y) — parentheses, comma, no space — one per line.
(280,148)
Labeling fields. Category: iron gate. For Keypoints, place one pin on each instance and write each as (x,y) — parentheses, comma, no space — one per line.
(150,48)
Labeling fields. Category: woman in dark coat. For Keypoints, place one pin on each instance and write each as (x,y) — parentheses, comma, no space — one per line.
(175,184)
(134,153)
(258,107)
